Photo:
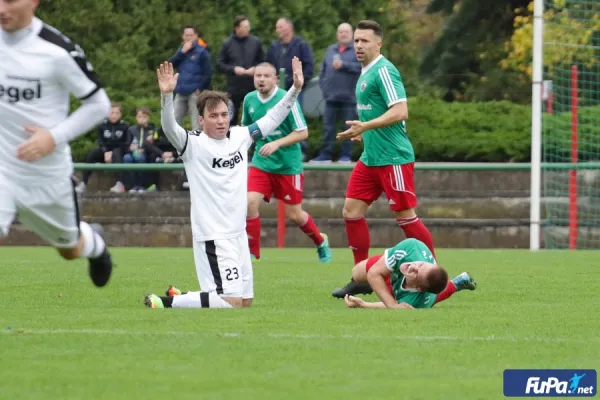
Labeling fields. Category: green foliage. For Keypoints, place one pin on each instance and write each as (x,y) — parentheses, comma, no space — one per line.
(486,131)
(557,135)
(470,44)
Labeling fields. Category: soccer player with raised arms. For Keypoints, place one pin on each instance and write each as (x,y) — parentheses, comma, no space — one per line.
(387,162)
(39,69)
(277,168)
(216,164)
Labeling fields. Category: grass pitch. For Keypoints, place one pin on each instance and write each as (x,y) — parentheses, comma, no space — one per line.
(62,338)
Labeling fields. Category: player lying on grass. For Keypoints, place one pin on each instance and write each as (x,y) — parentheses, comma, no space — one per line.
(216,164)
(406,276)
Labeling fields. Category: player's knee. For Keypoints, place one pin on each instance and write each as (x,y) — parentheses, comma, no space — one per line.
(359,272)
(247,303)
(296,215)
(236,302)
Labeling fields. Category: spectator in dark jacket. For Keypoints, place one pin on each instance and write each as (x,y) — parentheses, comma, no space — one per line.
(142,150)
(113,144)
(240,53)
(193,64)
(339,72)
(282,51)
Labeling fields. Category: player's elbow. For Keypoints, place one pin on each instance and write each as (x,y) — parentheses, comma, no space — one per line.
(400,112)
(303,134)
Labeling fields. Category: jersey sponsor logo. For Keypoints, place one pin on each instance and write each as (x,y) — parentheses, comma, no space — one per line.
(228,163)
(15,94)
(364,107)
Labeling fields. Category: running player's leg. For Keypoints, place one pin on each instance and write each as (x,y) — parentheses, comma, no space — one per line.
(259,189)
(288,188)
(52,213)
(219,275)
(399,185)
(363,189)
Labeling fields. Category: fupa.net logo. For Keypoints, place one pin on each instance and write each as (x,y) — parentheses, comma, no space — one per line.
(550,382)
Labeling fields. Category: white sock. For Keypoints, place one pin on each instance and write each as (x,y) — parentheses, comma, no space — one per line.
(199,300)
(93,244)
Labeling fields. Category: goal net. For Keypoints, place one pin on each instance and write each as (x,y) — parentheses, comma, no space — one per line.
(571,125)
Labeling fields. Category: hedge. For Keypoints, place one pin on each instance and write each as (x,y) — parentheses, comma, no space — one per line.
(439,131)
(448,132)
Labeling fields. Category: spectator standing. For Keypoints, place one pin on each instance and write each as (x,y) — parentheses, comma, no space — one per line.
(282,51)
(193,63)
(339,73)
(113,144)
(240,53)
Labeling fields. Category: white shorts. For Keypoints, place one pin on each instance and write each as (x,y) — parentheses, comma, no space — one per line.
(50,211)
(224,266)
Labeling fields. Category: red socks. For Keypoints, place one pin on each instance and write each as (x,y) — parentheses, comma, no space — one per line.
(311,230)
(253,231)
(446,293)
(359,239)
(414,228)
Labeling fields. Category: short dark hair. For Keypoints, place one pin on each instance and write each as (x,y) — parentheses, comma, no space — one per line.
(437,279)
(114,104)
(210,99)
(368,24)
(143,110)
(238,20)
(192,27)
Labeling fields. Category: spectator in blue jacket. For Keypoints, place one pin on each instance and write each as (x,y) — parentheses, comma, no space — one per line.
(339,72)
(193,64)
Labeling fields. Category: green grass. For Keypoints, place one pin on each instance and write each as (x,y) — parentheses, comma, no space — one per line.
(70,340)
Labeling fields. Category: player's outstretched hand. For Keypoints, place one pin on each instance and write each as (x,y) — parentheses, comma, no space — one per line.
(356,129)
(353,302)
(166,80)
(298,74)
(40,144)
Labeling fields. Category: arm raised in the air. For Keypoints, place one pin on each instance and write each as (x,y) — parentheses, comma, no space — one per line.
(167,83)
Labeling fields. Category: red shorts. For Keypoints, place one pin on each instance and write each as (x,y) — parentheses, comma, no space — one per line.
(287,188)
(397,181)
(388,280)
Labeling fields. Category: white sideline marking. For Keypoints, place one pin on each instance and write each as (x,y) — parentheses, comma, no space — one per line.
(419,338)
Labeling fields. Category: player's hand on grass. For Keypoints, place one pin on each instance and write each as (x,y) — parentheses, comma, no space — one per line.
(356,129)
(167,81)
(268,149)
(40,144)
(297,72)
(353,302)
(403,305)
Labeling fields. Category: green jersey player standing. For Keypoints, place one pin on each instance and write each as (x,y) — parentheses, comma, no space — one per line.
(387,163)
(277,169)
(406,276)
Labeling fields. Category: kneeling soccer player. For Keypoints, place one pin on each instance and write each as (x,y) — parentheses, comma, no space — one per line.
(406,276)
